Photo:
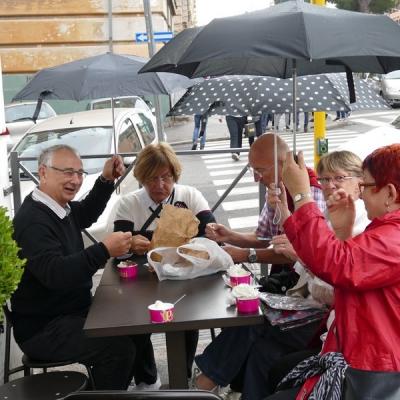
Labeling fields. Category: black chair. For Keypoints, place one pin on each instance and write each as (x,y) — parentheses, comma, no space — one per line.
(144,395)
(47,386)
(27,362)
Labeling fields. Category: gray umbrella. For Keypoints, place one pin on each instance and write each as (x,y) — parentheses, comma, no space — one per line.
(105,75)
(241,95)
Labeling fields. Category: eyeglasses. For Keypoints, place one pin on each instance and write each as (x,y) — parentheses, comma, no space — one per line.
(259,171)
(70,172)
(336,179)
(362,186)
(166,178)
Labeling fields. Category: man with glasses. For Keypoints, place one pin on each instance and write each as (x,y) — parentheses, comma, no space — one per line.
(49,307)
(252,246)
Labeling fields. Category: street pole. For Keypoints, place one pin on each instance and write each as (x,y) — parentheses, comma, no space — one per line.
(110,27)
(152,50)
(319,116)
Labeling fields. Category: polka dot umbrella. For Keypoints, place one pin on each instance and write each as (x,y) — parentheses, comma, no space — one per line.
(241,95)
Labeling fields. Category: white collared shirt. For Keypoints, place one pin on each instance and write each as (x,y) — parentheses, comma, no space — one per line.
(48,201)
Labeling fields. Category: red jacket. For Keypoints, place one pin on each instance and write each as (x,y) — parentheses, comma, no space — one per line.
(365,272)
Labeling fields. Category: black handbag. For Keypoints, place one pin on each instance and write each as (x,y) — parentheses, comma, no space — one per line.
(371,385)
(361,384)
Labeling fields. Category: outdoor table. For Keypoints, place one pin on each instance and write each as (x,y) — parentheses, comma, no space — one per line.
(120,308)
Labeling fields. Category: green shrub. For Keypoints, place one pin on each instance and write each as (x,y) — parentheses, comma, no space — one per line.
(11,266)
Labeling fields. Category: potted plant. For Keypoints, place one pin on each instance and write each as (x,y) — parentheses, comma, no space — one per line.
(11,266)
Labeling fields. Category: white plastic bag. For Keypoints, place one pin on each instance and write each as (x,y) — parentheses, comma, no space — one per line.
(177,265)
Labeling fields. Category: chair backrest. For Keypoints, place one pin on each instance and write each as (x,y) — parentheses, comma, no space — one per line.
(144,395)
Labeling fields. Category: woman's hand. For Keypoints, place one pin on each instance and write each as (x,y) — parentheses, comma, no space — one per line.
(140,244)
(295,176)
(341,213)
(282,246)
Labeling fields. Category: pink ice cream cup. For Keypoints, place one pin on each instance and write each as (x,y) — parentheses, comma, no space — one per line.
(127,270)
(247,306)
(160,314)
(237,280)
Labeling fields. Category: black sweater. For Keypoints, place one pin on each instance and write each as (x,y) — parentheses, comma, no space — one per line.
(58,274)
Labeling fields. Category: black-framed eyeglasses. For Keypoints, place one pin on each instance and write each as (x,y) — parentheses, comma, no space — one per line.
(336,179)
(363,185)
(70,172)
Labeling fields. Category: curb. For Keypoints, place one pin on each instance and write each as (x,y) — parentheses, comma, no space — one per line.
(215,139)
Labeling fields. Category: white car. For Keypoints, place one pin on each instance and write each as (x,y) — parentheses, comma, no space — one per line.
(19,118)
(390,87)
(366,143)
(91,133)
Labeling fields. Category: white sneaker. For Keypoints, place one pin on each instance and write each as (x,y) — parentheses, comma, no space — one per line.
(235,157)
(149,386)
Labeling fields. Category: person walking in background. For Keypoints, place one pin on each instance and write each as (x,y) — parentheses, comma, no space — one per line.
(235,127)
(305,121)
(199,132)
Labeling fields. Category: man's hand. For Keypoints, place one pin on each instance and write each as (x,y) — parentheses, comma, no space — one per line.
(342,213)
(118,243)
(283,246)
(140,244)
(295,176)
(276,199)
(218,232)
(237,253)
(113,168)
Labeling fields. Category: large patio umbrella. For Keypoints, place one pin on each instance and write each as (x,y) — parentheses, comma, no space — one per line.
(289,39)
(104,75)
(241,95)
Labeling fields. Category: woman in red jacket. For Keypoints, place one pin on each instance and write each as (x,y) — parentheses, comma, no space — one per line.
(364,270)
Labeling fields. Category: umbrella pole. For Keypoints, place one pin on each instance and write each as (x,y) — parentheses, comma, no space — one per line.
(113,125)
(294,119)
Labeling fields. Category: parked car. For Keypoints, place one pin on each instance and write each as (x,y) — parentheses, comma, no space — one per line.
(121,102)
(366,143)
(91,133)
(19,118)
(390,87)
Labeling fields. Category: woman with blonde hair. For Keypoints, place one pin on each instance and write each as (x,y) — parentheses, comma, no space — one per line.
(158,170)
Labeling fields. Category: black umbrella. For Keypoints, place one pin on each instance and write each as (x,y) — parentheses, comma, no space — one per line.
(265,42)
(241,95)
(105,75)
(289,39)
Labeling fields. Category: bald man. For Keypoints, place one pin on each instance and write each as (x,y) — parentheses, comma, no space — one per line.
(251,247)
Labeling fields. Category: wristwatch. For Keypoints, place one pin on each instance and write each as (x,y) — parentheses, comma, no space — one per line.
(300,196)
(252,257)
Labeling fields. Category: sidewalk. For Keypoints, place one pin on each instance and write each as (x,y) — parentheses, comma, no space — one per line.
(180,133)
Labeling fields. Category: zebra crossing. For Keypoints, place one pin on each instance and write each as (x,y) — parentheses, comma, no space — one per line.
(242,204)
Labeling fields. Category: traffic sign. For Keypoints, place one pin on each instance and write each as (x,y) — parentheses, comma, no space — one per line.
(158,37)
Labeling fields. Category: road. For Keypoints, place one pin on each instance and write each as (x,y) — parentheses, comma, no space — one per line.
(212,174)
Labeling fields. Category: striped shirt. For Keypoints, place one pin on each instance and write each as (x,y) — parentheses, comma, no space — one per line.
(48,201)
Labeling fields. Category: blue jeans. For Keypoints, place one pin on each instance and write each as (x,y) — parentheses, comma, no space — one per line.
(196,131)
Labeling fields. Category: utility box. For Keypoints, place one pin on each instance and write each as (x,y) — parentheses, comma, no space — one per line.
(322,146)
